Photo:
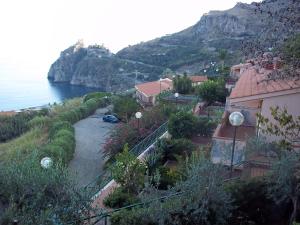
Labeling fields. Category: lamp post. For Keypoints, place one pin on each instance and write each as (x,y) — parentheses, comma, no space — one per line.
(176,97)
(236,119)
(46,162)
(138,115)
(160,85)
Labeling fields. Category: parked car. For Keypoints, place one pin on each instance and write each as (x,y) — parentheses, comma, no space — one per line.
(110,119)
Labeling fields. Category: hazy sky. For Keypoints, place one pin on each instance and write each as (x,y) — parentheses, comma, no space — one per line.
(33,32)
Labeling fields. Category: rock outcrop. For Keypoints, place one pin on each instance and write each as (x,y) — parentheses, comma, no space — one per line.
(95,66)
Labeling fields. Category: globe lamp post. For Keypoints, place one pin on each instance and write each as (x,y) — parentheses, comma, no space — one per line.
(138,115)
(46,162)
(236,119)
(176,97)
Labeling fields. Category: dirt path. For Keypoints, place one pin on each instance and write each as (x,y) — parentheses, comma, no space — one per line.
(90,134)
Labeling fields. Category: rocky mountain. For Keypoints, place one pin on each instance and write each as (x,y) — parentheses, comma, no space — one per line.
(96,66)
(190,50)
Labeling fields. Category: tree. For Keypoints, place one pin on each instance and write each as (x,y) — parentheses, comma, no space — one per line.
(34,195)
(285,174)
(282,24)
(128,171)
(125,107)
(285,181)
(182,84)
(284,126)
(222,56)
(211,91)
(181,125)
(170,148)
(199,199)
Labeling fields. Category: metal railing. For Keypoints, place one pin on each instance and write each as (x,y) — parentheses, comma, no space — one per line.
(104,178)
(102,217)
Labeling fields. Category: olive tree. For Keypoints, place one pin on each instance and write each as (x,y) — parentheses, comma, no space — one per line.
(34,195)
(285,181)
(199,199)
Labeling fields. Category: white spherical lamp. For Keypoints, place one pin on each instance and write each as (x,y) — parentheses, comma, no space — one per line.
(236,119)
(46,162)
(176,95)
(138,115)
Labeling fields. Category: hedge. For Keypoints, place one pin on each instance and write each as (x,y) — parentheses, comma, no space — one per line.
(61,144)
(94,95)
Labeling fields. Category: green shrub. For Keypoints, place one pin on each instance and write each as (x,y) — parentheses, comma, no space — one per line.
(205,126)
(59,125)
(170,148)
(254,205)
(167,177)
(64,133)
(182,125)
(95,95)
(55,152)
(34,194)
(130,217)
(91,105)
(119,198)
(39,121)
(15,125)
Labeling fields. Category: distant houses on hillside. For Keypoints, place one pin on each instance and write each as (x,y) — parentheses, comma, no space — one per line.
(146,93)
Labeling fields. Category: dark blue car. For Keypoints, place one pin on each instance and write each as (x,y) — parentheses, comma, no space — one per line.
(110,119)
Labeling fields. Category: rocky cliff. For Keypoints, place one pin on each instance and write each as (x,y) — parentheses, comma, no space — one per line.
(96,66)
(190,50)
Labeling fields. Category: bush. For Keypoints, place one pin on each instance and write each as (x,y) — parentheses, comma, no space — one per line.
(39,121)
(33,194)
(130,217)
(170,148)
(57,153)
(60,125)
(212,91)
(168,177)
(128,171)
(13,126)
(183,85)
(119,198)
(205,126)
(125,107)
(95,95)
(119,136)
(182,125)
(254,205)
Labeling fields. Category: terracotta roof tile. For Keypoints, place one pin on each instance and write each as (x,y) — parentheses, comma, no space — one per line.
(252,83)
(155,87)
(197,78)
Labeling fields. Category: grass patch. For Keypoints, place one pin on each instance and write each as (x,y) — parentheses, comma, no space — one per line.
(66,106)
(24,144)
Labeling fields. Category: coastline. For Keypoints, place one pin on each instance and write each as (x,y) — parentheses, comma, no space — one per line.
(14,112)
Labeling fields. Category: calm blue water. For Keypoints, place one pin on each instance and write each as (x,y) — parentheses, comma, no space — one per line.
(23,87)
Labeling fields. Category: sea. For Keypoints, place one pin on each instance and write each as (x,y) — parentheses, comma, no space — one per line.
(24,87)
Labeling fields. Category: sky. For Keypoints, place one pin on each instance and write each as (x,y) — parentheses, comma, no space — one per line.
(34,32)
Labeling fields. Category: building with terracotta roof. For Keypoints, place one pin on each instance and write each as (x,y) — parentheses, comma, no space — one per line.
(146,93)
(197,80)
(254,93)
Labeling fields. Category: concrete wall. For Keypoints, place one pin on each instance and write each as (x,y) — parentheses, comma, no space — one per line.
(222,149)
(291,102)
(143,98)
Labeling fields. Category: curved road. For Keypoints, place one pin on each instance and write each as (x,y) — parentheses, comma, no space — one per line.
(90,134)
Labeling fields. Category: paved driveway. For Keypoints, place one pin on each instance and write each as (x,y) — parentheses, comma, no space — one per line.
(90,134)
